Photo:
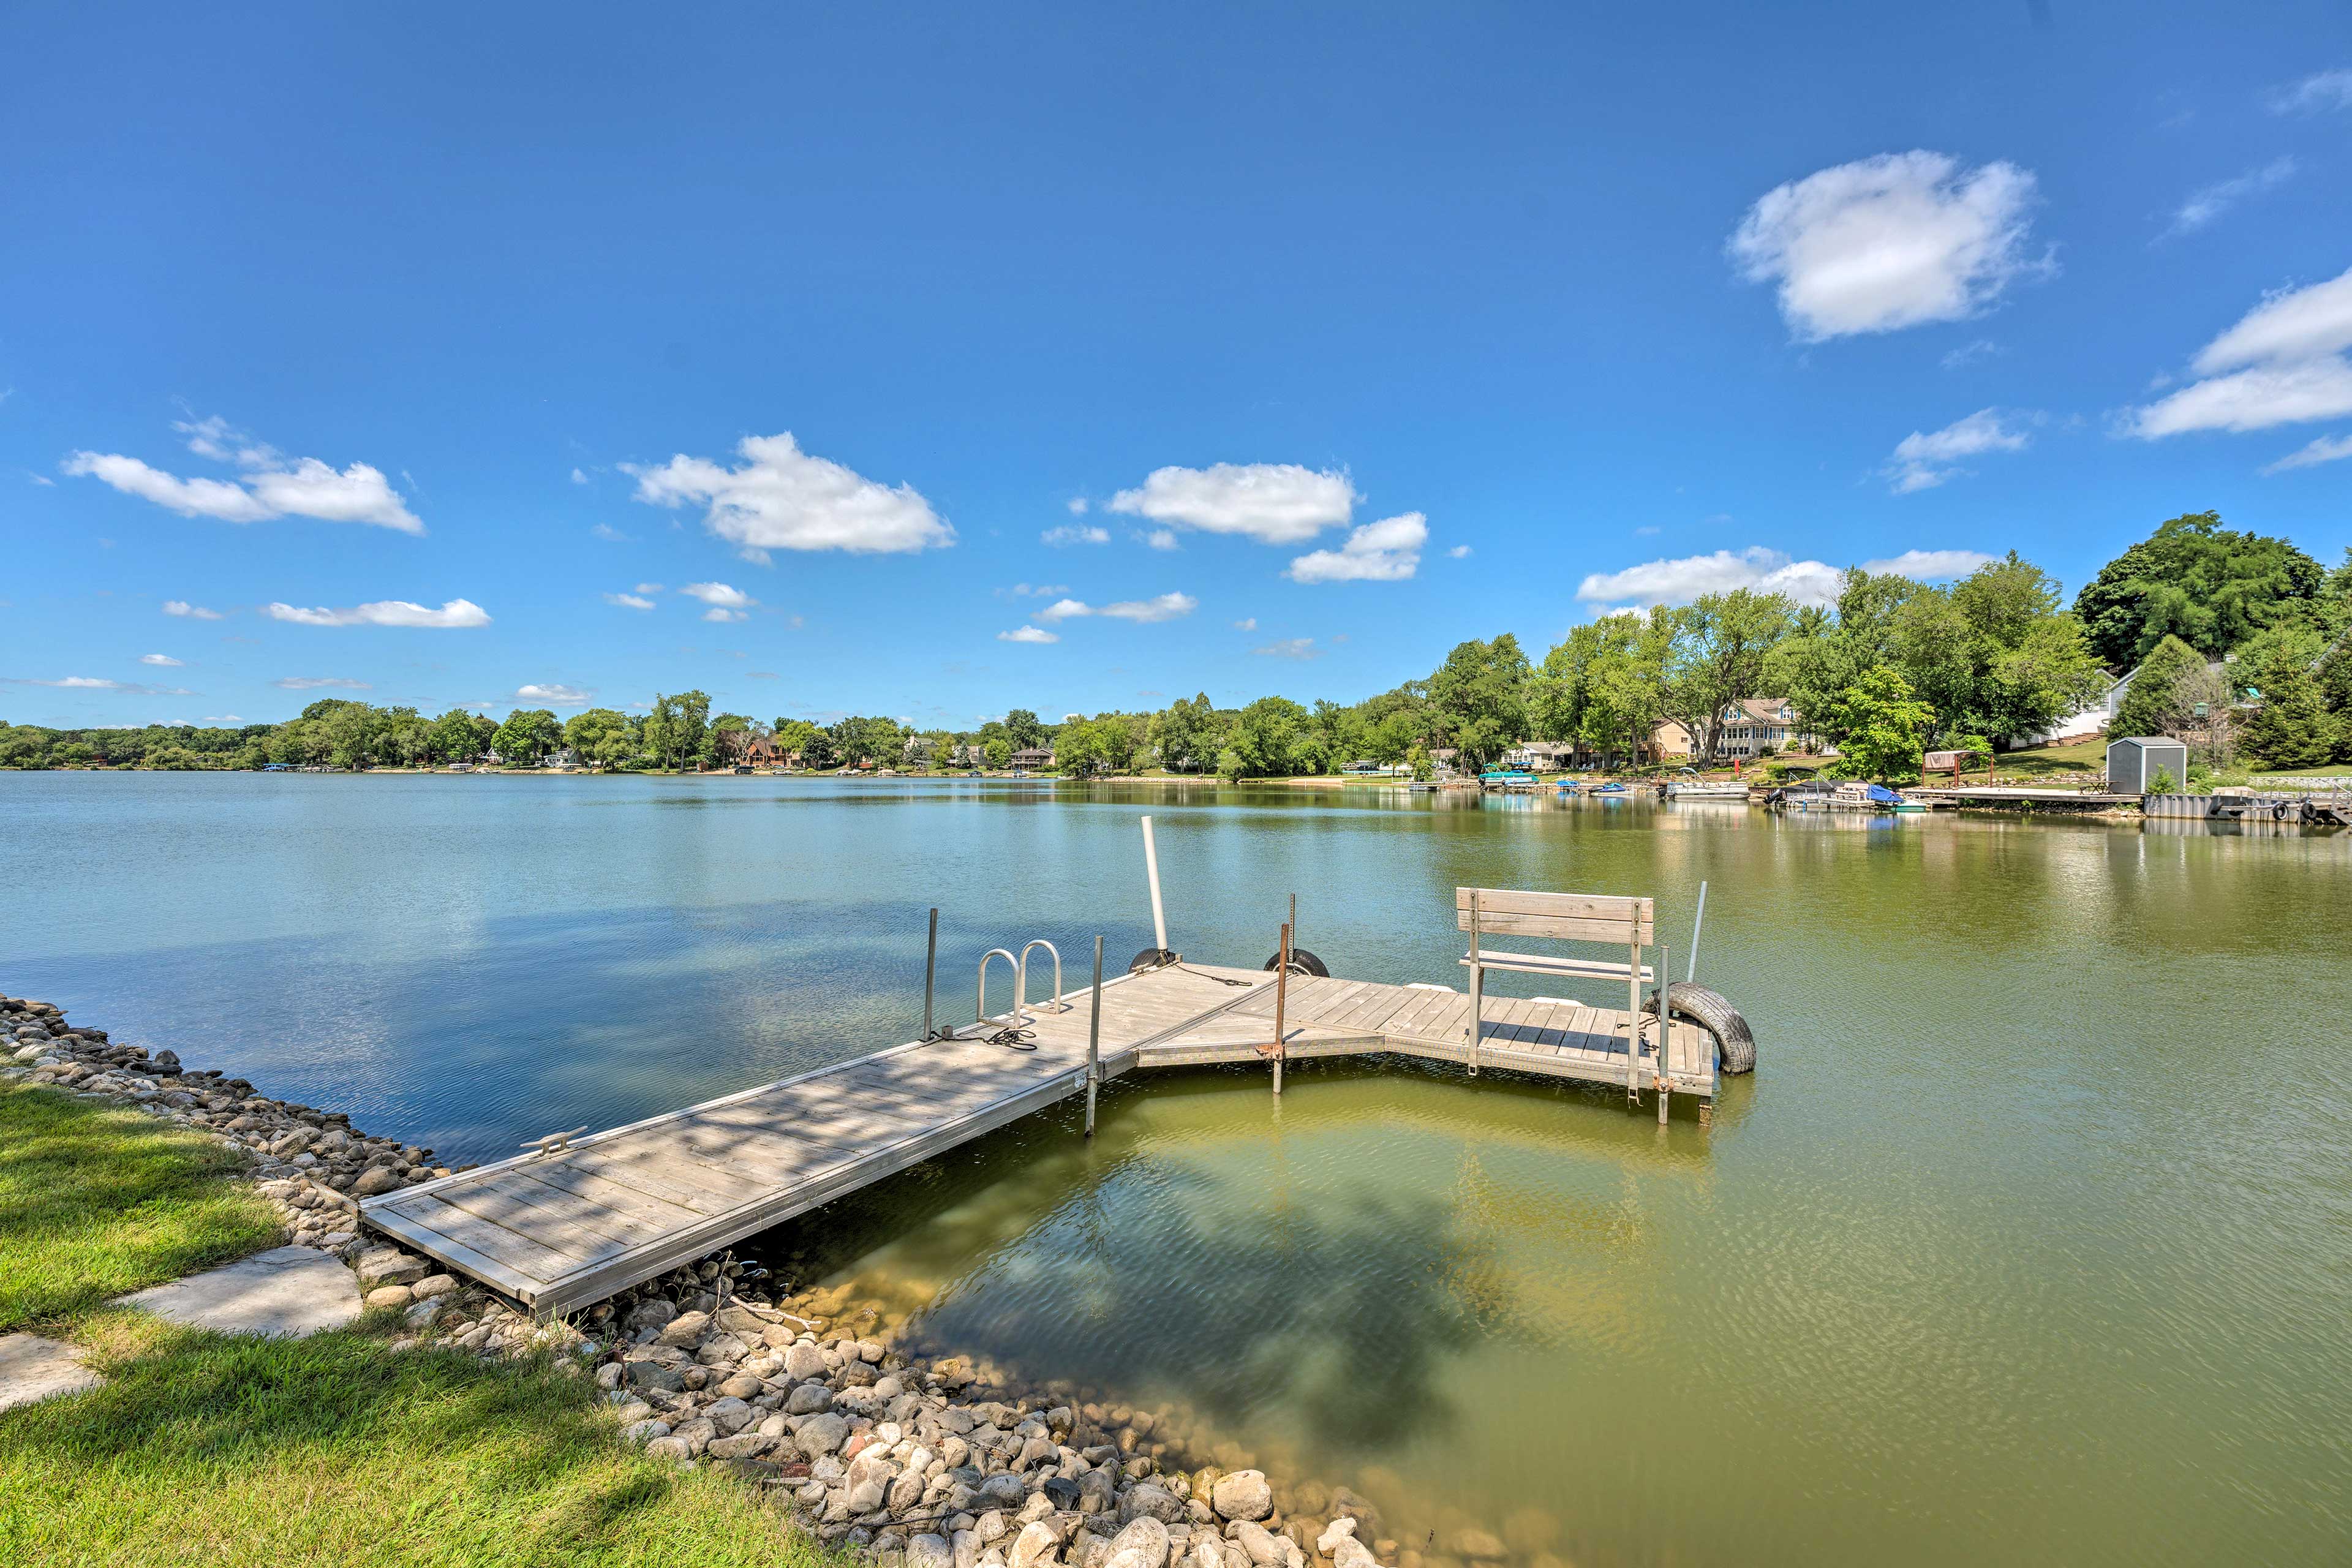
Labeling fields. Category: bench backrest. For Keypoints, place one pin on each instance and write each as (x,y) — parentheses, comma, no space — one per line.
(1563,917)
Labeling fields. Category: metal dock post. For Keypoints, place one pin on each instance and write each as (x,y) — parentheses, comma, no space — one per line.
(931,974)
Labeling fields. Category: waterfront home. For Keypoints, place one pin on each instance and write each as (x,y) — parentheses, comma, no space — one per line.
(1755,727)
(1034,757)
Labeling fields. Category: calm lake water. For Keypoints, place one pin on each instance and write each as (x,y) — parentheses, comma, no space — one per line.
(2029,1240)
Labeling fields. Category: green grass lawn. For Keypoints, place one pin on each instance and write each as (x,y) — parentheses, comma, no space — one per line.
(202,1448)
(95,1202)
(338,1450)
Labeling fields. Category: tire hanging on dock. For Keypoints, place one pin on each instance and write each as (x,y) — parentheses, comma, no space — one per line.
(1301,962)
(1713,1012)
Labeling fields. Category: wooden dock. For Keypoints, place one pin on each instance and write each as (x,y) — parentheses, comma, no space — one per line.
(562,1229)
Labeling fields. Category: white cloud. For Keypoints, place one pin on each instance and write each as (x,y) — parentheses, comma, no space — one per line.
(647,588)
(342,683)
(272,485)
(1273,503)
(1924,459)
(2325,449)
(1969,352)
(2315,94)
(607,532)
(163,660)
(455,614)
(1247,625)
(780,498)
(93,683)
(718,594)
(1459,551)
(1161,538)
(2205,206)
(1930,566)
(629,601)
(193,611)
(722,614)
(2283,363)
(1388,550)
(1028,634)
(1073,534)
(1887,242)
(1077,505)
(220,719)
(1166,607)
(555,692)
(1289,648)
(578,478)
(2289,324)
(1761,568)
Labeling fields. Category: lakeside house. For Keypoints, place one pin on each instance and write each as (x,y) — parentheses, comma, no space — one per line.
(1754,727)
(1034,757)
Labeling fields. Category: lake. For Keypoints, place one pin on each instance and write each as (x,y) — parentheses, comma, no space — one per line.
(2029,1240)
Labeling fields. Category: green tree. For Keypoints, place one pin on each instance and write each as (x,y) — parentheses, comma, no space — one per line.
(728,741)
(998,750)
(1185,734)
(1480,694)
(1888,729)
(1021,726)
(527,736)
(792,737)
(1721,645)
(1265,737)
(2290,726)
(2210,586)
(2154,703)
(601,736)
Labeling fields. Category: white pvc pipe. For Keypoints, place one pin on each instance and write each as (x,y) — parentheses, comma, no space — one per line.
(1152,865)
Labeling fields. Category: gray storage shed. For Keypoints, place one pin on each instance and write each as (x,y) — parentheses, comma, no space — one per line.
(2133,763)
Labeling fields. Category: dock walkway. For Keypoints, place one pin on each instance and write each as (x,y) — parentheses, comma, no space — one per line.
(562,1229)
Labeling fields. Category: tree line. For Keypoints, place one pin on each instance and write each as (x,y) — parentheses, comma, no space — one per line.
(2239,640)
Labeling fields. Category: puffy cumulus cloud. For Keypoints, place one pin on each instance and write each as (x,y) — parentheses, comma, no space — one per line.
(1762,568)
(455,614)
(2282,364)
(163,661)
(1028,634)
(1161,538)
(1166,607)
(273,485)
(1273,503)
(555,694)
(2325,449)
(1888,242)
(2204,207)
(1289,648)
(1077,505)
(1459,551)
(1388,550)
(719,595)
(629,601)
(335,682)
(1681,581)
(94,683)
(2315,94)
(780,498)
(1074,534)
(193,611)
(1925,458)
(1930,566)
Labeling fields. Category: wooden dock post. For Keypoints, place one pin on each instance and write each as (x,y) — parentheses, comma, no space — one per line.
(1477,988)
(1283,988)
(1666,979)
(1094,1041)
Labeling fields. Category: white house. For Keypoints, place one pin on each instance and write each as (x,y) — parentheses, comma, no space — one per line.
(1755,725)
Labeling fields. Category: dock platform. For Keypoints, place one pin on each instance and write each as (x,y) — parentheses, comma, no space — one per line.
(566,1228)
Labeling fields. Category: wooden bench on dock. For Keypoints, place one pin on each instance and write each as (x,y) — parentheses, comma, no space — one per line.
(1592,918)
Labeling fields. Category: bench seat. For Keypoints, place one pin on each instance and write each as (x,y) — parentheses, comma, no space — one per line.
(1545,963)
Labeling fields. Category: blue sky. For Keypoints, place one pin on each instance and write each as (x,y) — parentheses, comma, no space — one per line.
(930,361)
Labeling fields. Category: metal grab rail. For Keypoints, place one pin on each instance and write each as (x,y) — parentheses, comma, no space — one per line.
(999,952)
(1021,978)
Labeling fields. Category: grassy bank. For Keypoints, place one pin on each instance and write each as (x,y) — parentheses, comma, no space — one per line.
(96,1202)
(335,1449)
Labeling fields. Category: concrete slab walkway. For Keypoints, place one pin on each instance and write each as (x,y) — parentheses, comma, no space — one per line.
(33,1369)
(288,1292)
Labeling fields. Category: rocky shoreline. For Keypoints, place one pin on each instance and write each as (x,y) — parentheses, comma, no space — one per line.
(917,1462)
